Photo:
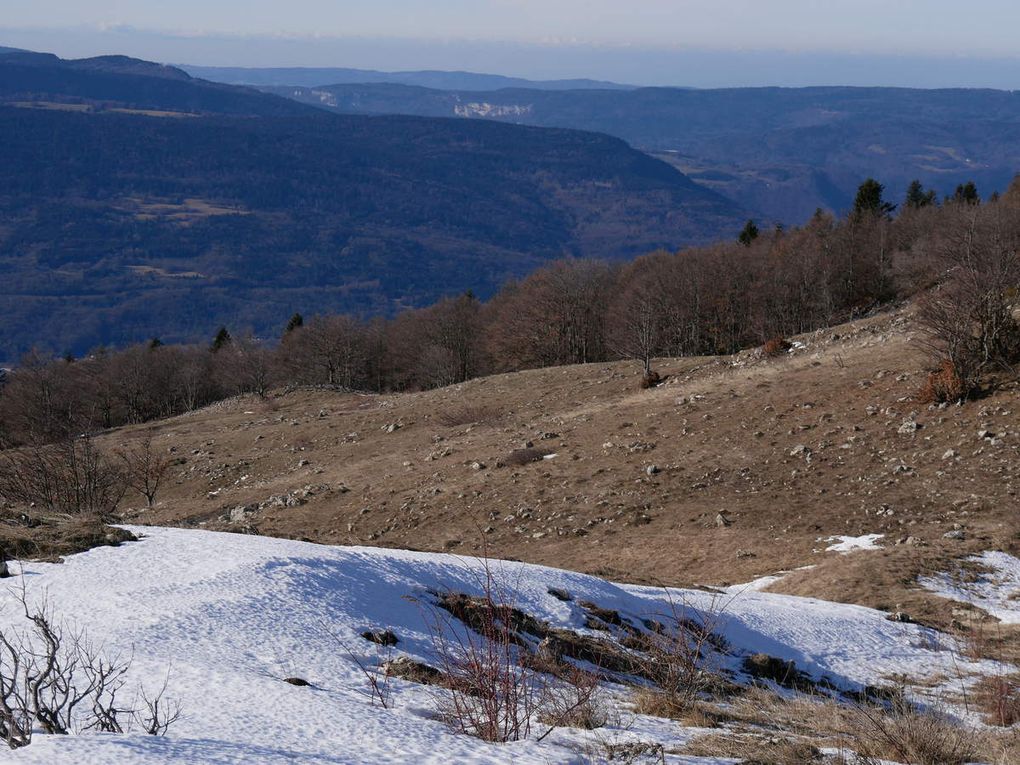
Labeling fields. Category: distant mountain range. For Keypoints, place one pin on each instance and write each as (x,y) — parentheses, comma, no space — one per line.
(312,77)
(136,201)
(781,152)
(122,82)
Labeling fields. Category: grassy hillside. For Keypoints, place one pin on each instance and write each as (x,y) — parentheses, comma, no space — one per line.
(792,451)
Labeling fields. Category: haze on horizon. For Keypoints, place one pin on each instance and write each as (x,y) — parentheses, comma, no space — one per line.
(922,43)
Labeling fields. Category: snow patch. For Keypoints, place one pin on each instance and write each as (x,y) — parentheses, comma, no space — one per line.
(846,545)
(994,588)
(235,615)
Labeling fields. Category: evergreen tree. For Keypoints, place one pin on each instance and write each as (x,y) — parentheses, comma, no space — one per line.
(917,197)
(155,343)
(296,322)
(749,234)
(221,340)
(869,199)
(967,193)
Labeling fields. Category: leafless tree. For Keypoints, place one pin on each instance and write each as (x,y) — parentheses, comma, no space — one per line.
(491,693)
(144,467)
(72,477)
(158,712)
(969,320)
(244,366)
(637,319)
(54,678)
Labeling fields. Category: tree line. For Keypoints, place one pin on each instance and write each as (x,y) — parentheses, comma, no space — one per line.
(958,255)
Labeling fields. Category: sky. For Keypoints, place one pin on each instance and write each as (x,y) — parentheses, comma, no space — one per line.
(678,42)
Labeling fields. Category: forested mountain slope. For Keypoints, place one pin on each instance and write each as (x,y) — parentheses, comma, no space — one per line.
(781,151)
(116,227)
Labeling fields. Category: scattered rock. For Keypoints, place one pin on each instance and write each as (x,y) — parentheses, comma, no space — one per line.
(241,513)
(413,671)
(381,637)
(722,520)
(300,682)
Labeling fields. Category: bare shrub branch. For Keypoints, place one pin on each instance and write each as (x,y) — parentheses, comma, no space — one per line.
(144,468)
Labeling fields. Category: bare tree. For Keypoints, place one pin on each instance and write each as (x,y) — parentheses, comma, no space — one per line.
(490,693)
(244,366)
(969,320)
(144,467)
(55,678)
(73,477)
(637,320)
(159,712)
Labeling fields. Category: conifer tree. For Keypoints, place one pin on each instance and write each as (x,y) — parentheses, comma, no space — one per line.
(749,234)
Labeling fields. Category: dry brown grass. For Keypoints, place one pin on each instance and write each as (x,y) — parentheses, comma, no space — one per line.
(755,749)
(33,535)
(998,698)
(721,432)
(865,733)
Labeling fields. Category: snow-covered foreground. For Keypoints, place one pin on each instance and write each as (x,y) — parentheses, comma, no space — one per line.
(235,615)
(995,590)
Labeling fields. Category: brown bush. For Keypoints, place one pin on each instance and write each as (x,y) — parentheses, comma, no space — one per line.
(943,386)
(71,477)
(908,734)
(999,699)
(575,702)
(650,379)
(492,694)
(776,346)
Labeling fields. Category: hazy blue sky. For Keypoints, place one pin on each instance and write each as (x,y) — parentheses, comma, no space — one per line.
(647,41)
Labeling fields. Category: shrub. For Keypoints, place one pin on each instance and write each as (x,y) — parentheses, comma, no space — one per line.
(72,477)
(775,346)
(575,702)
(144,468)
(912,735)
(943,386)
(999,699)
(492,694)
(675,659)
(650,379)
(54,680)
